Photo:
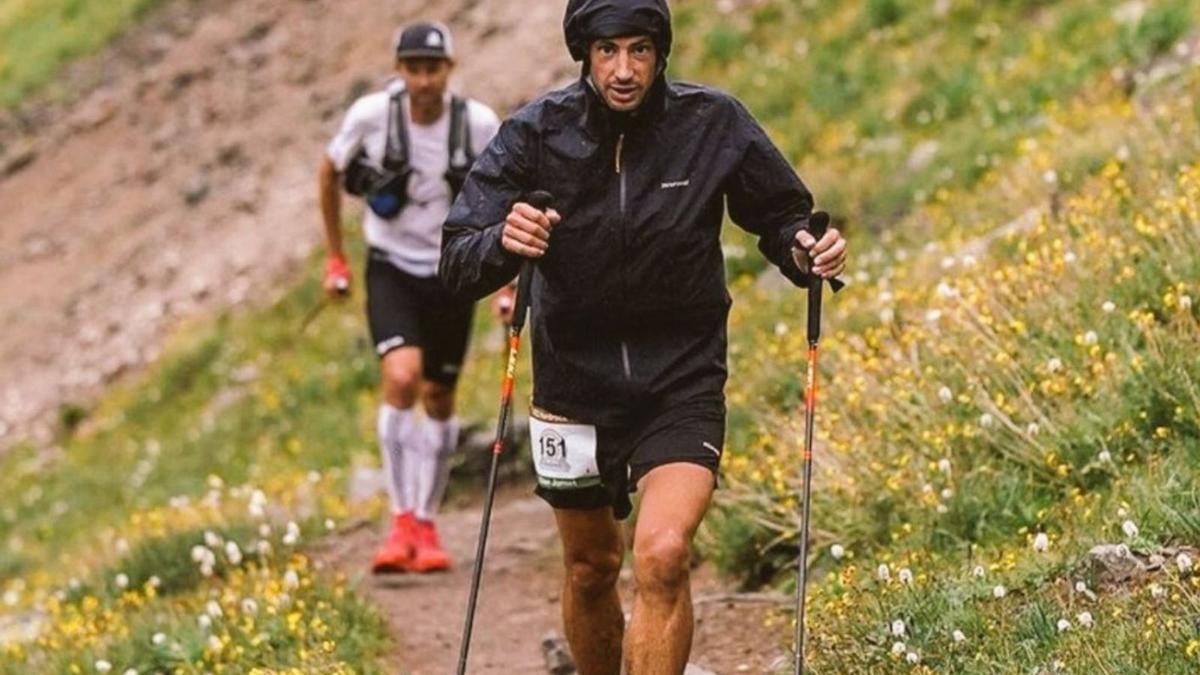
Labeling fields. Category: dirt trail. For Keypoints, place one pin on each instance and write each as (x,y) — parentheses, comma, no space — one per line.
(174,174)
(519,600)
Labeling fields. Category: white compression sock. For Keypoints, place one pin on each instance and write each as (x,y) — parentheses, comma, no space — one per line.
(440,440)
(395,428)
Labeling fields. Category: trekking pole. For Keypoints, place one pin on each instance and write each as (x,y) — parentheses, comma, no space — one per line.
(539,200)
(342,288)
(817,225)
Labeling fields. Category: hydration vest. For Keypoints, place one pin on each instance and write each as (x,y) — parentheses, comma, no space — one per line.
(386,191)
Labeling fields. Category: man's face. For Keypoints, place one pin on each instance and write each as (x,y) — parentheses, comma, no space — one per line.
(623,69)
(426,79)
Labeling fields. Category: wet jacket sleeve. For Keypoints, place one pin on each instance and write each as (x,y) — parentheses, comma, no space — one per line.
(473,262)
(766,197)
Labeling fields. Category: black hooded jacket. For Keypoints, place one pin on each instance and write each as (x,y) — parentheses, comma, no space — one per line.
(629,302)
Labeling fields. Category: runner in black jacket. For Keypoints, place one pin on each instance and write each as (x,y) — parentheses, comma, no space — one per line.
(629,305)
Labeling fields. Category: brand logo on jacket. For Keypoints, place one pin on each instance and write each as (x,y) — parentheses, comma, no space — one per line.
(676,184)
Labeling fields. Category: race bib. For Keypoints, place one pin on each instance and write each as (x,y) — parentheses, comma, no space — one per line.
(564,454)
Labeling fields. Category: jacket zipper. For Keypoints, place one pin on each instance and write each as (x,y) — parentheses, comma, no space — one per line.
(621,180)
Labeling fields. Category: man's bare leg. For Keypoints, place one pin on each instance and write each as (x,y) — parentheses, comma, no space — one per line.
(592,617)
(674,499)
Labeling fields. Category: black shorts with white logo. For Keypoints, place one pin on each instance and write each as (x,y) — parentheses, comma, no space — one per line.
(690,431)
(408,311)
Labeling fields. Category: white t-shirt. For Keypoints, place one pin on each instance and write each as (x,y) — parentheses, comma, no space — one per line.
(412,240)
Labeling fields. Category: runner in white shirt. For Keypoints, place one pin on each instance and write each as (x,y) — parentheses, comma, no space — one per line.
(395,148)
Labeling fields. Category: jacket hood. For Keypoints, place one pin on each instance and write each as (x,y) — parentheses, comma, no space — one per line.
(588,20)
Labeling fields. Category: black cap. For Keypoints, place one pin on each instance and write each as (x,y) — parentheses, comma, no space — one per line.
(424,40)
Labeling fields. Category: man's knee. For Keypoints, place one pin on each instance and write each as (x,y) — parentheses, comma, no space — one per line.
(660,562)
(401,378)
(593,573)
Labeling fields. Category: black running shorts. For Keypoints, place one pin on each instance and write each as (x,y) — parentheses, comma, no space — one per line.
(691,431)
(408,311)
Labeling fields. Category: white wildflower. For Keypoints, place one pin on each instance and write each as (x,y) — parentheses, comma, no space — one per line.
(913,658)
(1050,176)
(986,420)
(947,493)
(159,639)
(233,553)
(291,580)
(979,572)
(1033,429)
(215,482)
(1109,307)
(103,666)
(944,465)
(212,539)
(999,591)
(1129,528)
(199,553)
(837,551)
(122,580)
(263,547)
(1156,591)
(213,609)
(1105,457)
(906,576)
(898,628)
(1090,338)
(258,504)
(1084,619)
(899,648)
(1054,365)
(1063,625)
(249,606)
(131,671)
(264,530)
(330,525)
(781,329)
(206,569)
(1041,542)
(958,636)
(1184,562)
(154,582)
(883,573)
(292,536)
(205,621)
(933,315)
(1069,257)
(215,644)
(1185,302)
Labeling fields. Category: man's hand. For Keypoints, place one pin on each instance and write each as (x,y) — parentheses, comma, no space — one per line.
(337,277)
(527,230)
(825,258)
(503,304)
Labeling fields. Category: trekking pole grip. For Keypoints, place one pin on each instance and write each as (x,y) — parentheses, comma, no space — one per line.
(540,200)
(817,225)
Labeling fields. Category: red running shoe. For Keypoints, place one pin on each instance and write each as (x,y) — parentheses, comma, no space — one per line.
(397,553)
(429,555)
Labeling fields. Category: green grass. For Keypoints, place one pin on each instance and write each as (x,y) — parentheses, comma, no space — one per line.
(39,37)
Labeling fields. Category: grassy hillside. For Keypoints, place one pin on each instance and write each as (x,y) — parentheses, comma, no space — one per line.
(38,37)
(1010,381)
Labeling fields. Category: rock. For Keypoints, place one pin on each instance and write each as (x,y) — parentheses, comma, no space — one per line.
(17,161)
(196,190)
(922,155)
(1111,564)
(365,483)
(98,111)
(557,655)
